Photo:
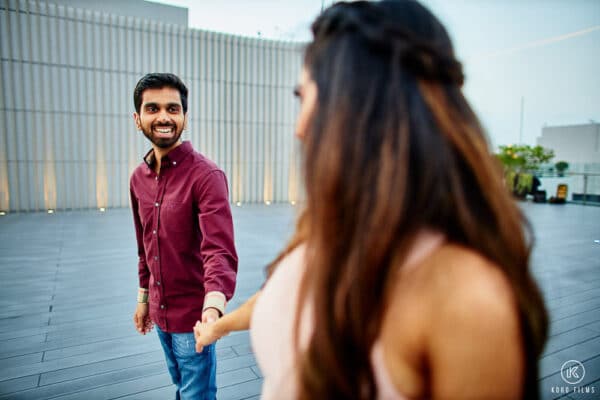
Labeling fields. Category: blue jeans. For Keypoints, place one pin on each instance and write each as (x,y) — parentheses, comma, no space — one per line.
(193,373)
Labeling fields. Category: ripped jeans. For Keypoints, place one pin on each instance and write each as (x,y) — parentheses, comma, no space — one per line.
(193,373)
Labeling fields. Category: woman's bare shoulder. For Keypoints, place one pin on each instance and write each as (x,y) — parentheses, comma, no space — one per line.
(474,321)
(466,275)
(456,309)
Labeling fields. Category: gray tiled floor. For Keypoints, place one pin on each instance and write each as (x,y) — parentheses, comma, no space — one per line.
(69,281)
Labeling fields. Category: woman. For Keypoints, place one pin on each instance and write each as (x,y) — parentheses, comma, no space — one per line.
(407,276)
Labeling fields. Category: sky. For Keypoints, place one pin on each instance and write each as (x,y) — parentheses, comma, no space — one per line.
(535,61)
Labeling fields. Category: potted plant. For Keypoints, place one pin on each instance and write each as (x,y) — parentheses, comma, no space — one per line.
(561,167)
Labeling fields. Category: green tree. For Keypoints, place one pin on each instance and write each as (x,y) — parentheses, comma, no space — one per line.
(524,158)
(520,163)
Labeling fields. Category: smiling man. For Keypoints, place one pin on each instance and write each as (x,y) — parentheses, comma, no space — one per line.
(187,259)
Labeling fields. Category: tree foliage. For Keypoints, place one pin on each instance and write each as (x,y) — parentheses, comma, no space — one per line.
(524,158)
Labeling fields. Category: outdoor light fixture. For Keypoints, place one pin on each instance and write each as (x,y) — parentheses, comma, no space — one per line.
(102,209)
(239,204)
(50,211)
(2,213)
(293,202)
(268,202)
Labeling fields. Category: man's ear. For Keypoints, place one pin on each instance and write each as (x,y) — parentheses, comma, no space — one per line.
(136,118)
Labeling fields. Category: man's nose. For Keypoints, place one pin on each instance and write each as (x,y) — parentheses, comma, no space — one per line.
(163,116)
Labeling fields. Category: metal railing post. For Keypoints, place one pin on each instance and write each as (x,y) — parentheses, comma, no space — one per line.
(585,181)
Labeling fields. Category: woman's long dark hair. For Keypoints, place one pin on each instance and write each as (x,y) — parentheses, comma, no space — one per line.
(394,148)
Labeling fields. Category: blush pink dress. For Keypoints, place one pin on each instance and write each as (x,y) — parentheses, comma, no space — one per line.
(272,323)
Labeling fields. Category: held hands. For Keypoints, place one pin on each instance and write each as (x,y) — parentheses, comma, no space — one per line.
(207,332)
(141,319)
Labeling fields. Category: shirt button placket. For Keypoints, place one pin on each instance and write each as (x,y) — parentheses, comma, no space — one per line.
(157,206)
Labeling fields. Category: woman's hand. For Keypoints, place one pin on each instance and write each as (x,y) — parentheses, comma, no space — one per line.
(206,333)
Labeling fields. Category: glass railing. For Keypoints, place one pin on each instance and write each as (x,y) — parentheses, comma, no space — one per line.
(583,187)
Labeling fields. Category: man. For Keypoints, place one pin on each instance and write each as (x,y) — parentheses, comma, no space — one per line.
(187,259)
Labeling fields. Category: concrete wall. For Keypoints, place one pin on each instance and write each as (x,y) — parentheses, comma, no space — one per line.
(67,138)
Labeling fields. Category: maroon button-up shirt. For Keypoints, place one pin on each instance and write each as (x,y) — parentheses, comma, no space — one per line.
(184,232)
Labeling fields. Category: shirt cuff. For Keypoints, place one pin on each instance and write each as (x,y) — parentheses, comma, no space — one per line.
(142,296)
(215,300)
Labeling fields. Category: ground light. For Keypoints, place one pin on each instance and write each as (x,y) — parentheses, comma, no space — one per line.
(102,209)
(2,213)
(50,211)
(239,204)
(268,202)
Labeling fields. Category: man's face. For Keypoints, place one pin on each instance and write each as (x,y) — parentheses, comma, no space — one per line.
(161,117)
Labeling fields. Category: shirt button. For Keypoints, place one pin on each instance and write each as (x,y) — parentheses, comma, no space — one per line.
(174,162)
(156,257)
(162,306)
(154,232)
(158,283)
(156,178)
(156,204)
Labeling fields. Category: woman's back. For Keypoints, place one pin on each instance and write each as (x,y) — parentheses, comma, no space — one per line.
(445,320)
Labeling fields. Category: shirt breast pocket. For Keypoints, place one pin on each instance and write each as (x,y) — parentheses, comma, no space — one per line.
(177,217)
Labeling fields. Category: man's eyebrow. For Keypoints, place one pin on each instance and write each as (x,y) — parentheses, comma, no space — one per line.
(154,104)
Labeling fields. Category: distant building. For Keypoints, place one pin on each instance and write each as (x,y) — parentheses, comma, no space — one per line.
(576,144)
(579,145)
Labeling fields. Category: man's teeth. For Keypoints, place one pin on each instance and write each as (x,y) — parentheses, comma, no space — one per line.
(164,130)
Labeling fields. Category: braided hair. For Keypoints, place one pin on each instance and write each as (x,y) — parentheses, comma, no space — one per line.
(429,58)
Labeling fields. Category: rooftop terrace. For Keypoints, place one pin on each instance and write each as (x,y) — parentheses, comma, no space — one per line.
(69,281)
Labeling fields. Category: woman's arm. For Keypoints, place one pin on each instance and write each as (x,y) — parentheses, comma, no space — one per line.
(237,320)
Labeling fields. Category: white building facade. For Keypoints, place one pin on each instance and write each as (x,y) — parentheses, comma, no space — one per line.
(67,137)
(579,145)
(576,144)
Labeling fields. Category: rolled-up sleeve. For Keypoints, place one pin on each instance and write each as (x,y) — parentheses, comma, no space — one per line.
(217,246)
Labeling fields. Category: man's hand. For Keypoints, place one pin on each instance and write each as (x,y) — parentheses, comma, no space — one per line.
(210,315)
(141,319)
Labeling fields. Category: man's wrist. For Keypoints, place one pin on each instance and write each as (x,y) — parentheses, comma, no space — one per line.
(142,296)
(215,300)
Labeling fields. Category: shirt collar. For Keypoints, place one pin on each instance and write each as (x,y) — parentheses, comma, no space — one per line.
(175,156)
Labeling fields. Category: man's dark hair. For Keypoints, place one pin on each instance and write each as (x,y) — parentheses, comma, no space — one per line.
(157,80)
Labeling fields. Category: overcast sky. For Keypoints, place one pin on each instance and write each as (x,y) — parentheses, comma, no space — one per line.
(544,51)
